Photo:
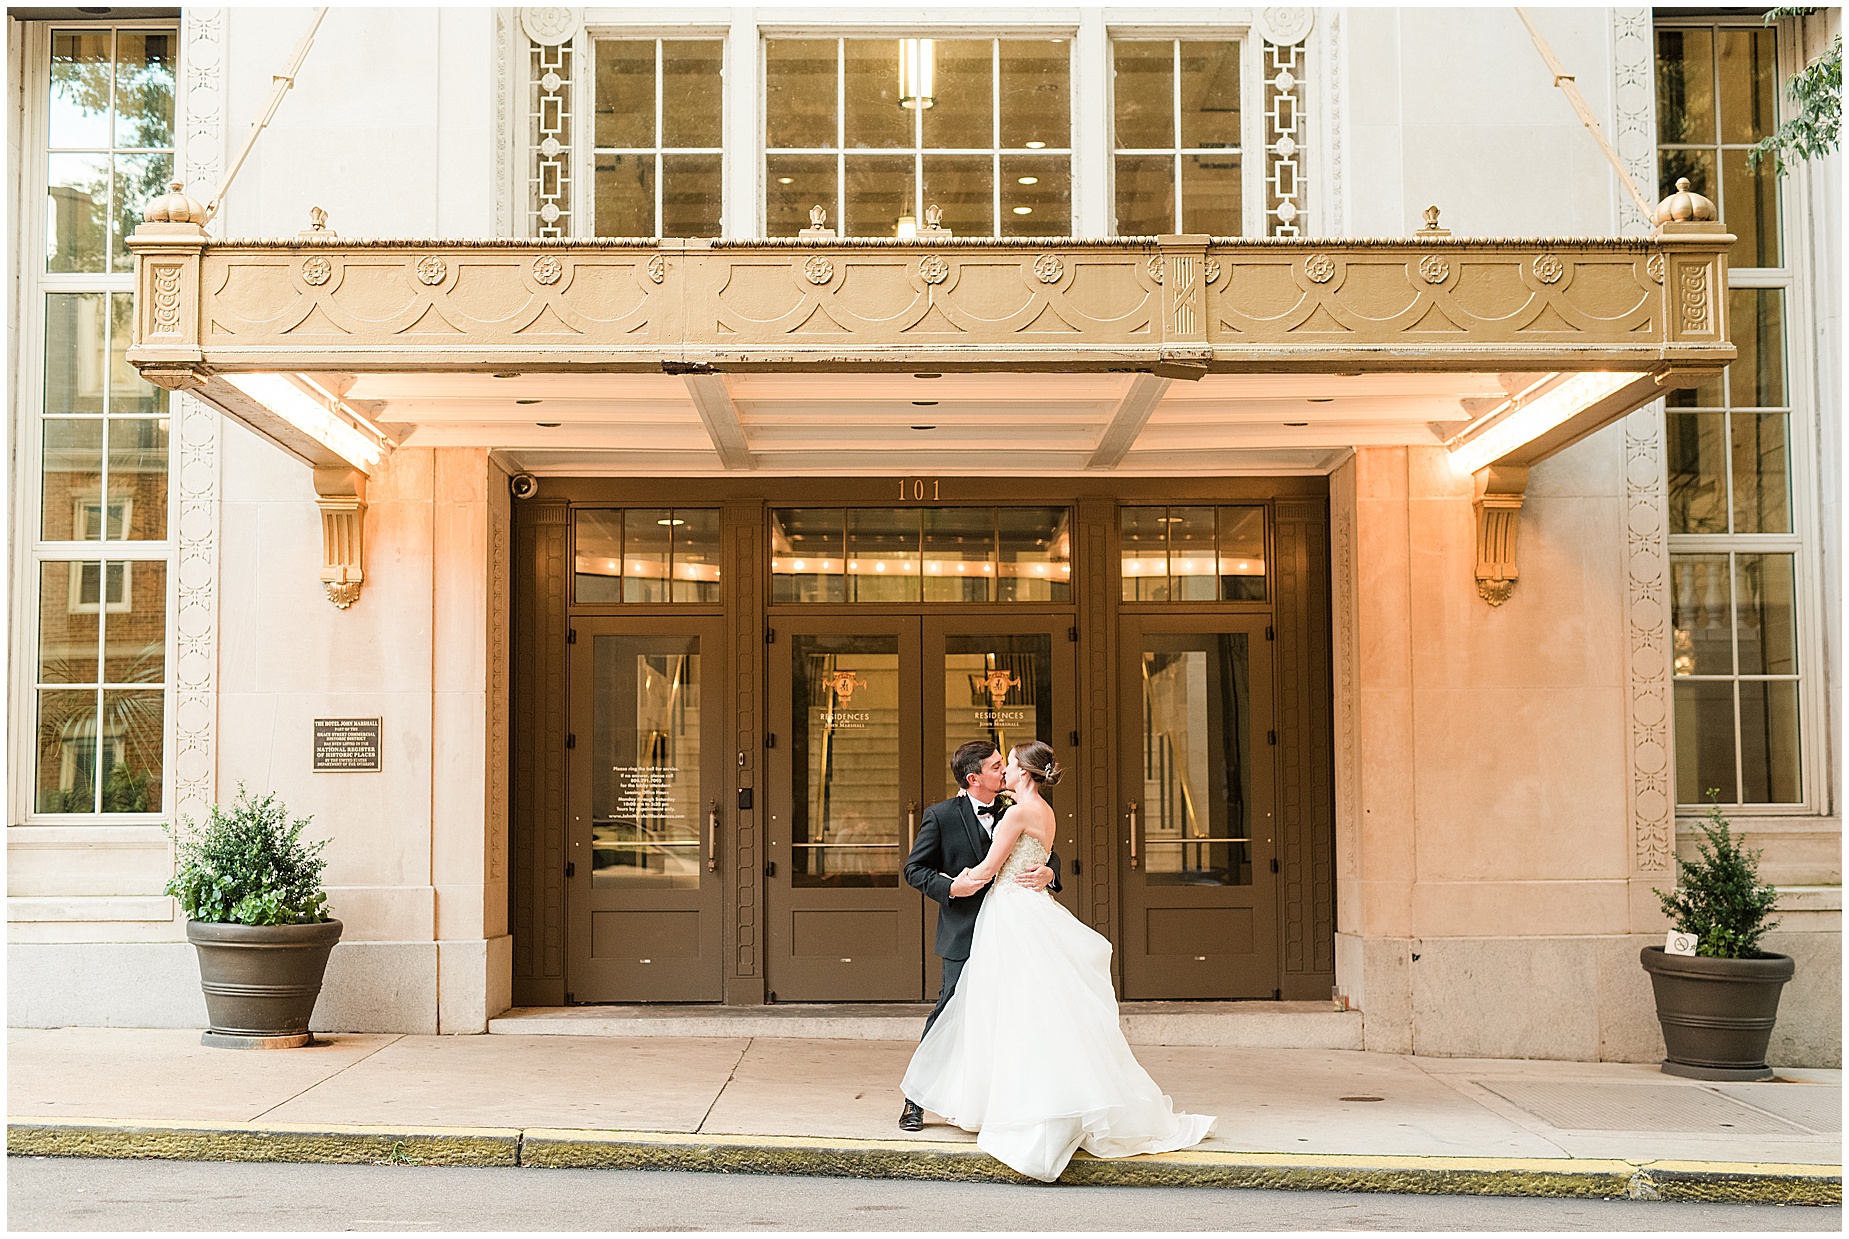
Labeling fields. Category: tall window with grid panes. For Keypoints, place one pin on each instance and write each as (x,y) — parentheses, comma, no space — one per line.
(1176,138)
(658,133)
(93,516)
(877,131)
(1736,535)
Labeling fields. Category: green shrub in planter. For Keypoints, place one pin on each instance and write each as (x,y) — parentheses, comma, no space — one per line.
(1719,897)
(249,866)
(1718,1006)
(256,914)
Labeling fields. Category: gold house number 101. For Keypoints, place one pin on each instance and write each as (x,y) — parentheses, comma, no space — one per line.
(917,489)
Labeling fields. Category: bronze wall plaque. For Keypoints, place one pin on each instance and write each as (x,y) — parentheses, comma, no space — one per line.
(346,744)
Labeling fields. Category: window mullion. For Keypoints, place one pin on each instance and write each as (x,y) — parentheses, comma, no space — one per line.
(841,137)
(995,140)
(661,142)
(1175,132)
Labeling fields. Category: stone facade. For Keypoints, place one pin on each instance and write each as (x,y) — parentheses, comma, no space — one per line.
(1501,792)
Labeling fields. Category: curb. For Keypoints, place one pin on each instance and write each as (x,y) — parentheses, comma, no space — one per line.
(1707,1182)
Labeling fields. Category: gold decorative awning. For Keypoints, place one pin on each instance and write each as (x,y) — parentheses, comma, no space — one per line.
(1174,354)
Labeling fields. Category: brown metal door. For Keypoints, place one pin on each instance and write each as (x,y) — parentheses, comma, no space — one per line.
(844,707)
(1005,680)
(1198,811)
(646,770)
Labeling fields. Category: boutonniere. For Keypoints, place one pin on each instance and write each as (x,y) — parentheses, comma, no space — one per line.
(1003,803)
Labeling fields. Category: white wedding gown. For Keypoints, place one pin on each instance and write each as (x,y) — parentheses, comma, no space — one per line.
(1028,1052)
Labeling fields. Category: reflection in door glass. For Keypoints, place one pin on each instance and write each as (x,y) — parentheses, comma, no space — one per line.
(1197,781)
(645,794)
(939,554)
(849,827)
(997,689)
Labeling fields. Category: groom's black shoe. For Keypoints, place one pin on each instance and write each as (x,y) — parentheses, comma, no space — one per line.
(912,1117)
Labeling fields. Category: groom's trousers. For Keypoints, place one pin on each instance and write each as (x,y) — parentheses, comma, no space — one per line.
(953,971)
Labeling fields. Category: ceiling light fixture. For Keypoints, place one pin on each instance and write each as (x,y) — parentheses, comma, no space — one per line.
(928,374)
(1526,422)
(1028,180)
(1035,146)
(786,180)
(924,404)
(917,73)
(312,417)
(1023,210)
(924,427)
(549,425)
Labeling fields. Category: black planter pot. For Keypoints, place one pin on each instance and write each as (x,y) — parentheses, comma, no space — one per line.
(1717,1014)
(261,981)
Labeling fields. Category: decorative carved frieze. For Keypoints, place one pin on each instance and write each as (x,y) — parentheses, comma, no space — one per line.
(1500,491)
(602,305)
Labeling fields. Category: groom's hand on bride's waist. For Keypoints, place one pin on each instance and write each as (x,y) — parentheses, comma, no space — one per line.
(1036,879)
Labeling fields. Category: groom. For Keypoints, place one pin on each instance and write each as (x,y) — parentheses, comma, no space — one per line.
(954,836)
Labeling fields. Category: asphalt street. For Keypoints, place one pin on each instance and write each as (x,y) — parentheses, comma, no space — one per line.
(67,1194)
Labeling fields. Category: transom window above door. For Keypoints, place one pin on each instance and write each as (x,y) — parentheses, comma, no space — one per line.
(921,555)
(875,131)
(646,555)
(1193,554)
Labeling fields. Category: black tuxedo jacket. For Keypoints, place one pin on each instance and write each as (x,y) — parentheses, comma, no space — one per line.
(950,840)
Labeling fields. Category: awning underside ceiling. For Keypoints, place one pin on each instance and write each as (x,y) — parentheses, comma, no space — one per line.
(952,423)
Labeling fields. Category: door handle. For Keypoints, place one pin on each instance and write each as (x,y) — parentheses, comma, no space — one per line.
(1133,864)
(911,827)
(712,838)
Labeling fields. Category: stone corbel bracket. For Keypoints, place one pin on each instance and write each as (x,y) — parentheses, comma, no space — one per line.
(1498,503)
(341,496)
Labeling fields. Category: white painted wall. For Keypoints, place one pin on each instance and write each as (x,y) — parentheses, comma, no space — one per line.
(1454,107)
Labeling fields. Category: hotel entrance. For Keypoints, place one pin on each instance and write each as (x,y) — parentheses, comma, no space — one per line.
(757,697)
(874,707)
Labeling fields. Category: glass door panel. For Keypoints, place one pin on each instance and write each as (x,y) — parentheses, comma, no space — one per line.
(843,800)
(644,793)
(1196,788)
(996,688)
(1198,835)
(646,817)
(849,824)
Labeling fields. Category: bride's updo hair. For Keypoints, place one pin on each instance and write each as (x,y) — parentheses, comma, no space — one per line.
(1036,757)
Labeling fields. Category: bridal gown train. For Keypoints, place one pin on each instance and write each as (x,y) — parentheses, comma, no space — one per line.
(1028,1052)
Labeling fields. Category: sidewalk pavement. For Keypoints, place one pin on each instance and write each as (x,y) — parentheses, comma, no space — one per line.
(1321,1119)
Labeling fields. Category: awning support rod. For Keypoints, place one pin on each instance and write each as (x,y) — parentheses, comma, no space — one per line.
(1570,88)
(280,85)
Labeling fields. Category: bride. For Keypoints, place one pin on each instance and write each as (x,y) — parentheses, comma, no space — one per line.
(1028,1052)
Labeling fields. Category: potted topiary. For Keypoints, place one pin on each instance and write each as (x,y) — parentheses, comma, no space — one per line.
(257,915)
(1717,1006)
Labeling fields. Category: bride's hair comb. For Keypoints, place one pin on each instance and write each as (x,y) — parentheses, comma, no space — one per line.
(1036,757)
